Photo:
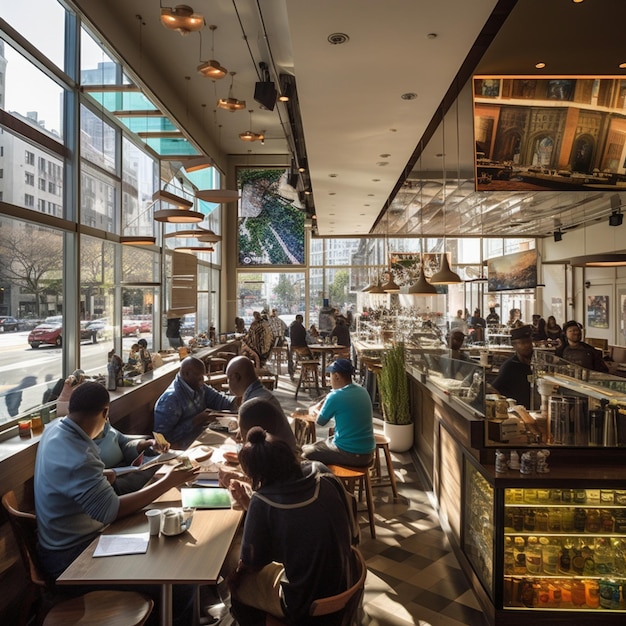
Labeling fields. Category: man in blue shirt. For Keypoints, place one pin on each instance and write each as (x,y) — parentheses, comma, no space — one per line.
(74,499)
(181,412)
(351,406)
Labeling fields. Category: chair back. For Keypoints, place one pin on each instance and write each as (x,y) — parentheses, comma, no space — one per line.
(303,353)
(347,601)
(24,526)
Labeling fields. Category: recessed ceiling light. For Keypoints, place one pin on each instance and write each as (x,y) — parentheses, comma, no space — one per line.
(577,1)
(332,175)
(331,193)
(540,65)
(375,180)
(370,195)
(440,154)
(431,36)
(338,38)
(409,96)
(362,214)
(382,163)
(393,130)
(331,214)
(385,155)
(622,66)
(366,205)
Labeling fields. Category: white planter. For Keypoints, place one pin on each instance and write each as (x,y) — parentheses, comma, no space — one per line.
(400,436)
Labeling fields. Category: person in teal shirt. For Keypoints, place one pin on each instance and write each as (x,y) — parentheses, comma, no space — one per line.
(350,406)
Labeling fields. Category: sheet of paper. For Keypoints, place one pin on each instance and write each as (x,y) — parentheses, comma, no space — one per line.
(112,545)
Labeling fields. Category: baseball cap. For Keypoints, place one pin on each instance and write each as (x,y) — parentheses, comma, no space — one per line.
(523,332)
(343,366)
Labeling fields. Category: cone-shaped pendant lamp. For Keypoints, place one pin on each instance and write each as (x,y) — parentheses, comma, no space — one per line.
(421,287)
(377,288)
(445,276)
(391,286)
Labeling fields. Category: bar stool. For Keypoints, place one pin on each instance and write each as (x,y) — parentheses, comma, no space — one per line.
(309,377)
(353,477)
(382,443)
(304,429)
(280,355)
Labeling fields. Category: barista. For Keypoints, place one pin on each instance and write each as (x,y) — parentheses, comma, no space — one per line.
(515,374)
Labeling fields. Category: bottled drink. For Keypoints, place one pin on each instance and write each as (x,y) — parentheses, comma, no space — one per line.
(580,496)
(603,557)
(592,594)
(567,520)
(580,519)
(565,560)
(593,522)
(554,520)
(529,520)
(533,557)
(541,520)
(578,593)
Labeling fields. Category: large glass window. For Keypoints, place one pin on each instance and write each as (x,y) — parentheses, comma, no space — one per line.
(98,199)
(31,294)
(97,140)
(39,105)
(46,30)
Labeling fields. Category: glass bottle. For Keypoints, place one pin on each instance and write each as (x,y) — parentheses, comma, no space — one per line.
(567,520)
(592,594)
(604,557)
(554,520)
(565,560)
(580,519)
(593,523)
(529,519)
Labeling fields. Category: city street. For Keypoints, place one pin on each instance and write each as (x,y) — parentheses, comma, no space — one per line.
(39,369)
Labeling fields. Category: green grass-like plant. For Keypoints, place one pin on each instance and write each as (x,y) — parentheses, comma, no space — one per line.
(393,386)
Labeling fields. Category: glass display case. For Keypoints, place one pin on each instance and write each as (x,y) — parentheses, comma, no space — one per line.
(564,549)
(546,546)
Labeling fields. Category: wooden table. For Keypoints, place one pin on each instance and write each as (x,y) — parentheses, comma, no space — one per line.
(324,349)
(193,557)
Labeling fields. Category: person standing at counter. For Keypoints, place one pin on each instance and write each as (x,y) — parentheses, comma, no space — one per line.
(553,331)
(180,414)
(577,351)
(351,406)
(513,380)
(459,364)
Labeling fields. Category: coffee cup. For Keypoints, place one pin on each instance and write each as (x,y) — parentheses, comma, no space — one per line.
(154,521)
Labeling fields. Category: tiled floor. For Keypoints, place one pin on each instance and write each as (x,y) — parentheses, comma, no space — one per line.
(413,576)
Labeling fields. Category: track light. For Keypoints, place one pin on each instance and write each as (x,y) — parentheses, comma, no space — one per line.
(558,235)
(616,218)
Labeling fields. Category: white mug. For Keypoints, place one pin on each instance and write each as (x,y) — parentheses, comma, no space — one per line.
(154,521)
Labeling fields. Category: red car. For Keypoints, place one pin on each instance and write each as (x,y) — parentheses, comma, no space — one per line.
(131,328)
(48,333)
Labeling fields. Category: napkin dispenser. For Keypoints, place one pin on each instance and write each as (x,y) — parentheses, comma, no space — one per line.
(177,520)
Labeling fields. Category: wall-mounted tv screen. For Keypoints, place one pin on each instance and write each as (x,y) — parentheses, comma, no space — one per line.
(513,271)
(561,132)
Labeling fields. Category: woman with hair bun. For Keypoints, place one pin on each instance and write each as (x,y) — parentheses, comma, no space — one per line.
(297,535)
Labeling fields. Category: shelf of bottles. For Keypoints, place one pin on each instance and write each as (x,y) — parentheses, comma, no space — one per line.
(478,542)
(565,549)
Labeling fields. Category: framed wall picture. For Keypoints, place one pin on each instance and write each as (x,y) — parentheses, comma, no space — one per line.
(621,316)
(598,312)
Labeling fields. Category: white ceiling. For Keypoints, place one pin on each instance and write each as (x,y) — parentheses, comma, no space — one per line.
(350,95)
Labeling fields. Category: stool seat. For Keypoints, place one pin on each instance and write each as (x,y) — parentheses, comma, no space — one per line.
(216,380)
(382,443)
(101,608)
(309,376)
(304,429)
(280,355)
(351,477)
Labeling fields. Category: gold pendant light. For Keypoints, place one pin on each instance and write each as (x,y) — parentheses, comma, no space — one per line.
(211,68)
(181,18)
(231,104)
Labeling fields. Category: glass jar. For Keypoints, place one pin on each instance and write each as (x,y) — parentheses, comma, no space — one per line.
(580,520)
(533,558)
(529,520)
(593,523)
(554,520)
(592,594)
(541,520)
(567,520)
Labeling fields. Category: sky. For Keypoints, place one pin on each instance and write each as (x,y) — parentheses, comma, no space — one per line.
(26,88)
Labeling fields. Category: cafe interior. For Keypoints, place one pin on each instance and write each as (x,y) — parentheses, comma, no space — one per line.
(137,142)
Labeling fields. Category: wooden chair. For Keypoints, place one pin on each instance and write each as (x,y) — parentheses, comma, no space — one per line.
(304,430)
(96,608)
(343,606)
(309,370)
(279,355)
(358,477)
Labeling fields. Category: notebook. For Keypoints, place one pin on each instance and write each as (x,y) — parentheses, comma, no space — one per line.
(206,497)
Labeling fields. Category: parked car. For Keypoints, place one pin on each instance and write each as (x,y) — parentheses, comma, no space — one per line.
(48,333)
(28,323)
(131,328)
(101,327)
(145,326)
(8,324)
(90,332)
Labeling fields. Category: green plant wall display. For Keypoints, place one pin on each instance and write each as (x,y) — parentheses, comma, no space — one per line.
(393,386)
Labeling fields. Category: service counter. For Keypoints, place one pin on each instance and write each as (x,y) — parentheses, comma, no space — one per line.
(539,547)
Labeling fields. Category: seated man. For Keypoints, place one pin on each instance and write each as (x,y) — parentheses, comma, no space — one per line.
(74,499)
(118,450)
(296,536)
(181,412)
(574,350)
(350,404)
(245,384)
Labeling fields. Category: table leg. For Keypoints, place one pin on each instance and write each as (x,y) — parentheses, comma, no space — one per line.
(166,605)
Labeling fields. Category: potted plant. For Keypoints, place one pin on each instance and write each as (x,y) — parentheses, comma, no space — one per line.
(393,390)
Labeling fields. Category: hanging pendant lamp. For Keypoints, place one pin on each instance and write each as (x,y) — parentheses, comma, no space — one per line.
(218,195)
(231,103)
(421,287)
(211,68)
(445,276)
(391,286)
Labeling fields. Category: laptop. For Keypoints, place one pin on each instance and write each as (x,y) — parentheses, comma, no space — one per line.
(206,497)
